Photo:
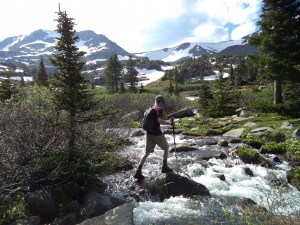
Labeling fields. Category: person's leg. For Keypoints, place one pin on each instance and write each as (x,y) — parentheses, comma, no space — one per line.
(143,159)
(163,144)
(150,145)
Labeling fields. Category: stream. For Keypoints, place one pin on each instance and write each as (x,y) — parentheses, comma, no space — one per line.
(267,188)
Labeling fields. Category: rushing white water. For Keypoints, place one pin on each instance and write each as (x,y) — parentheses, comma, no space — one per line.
(279,199)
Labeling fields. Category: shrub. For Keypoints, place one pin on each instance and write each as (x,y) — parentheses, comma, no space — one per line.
(294,177)
(248,155)
(275,147)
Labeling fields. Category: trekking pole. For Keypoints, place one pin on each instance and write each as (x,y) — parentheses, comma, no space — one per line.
(172,121)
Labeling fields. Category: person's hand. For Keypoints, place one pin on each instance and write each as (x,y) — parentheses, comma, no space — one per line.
(172,122)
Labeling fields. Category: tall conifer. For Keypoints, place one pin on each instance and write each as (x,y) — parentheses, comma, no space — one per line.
(71,88)
(42,77)
(278,42)
(113,73)
(131,74)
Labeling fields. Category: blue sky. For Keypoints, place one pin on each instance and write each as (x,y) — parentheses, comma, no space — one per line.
(138,25)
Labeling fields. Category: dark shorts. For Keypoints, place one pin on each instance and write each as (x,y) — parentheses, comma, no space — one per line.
(153,140)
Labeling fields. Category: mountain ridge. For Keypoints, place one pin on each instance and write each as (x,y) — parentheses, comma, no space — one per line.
(27,49)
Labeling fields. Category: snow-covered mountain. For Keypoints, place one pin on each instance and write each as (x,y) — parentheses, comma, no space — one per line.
(27,49)
(195,49)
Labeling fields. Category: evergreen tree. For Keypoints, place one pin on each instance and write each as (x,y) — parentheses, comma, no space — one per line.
(22,81)
(278,42)
(142,89)
(131,74)
(205,96)
(122,87)
(240,72)
(71,92)
(113,73)
(176,90)
(232,76)
(6,87)
(171,88)
(42,77)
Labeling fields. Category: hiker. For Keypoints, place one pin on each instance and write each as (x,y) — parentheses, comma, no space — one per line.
(156,137)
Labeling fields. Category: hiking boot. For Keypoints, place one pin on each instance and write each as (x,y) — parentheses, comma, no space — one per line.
(138,175)
(166,169)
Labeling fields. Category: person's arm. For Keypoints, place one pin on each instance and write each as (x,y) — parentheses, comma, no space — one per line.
(164,122)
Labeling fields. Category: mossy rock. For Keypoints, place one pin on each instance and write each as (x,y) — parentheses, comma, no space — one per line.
(293,177)
(274,148)
(248,155)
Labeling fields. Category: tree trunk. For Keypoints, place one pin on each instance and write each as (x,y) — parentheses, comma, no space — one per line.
(277,92)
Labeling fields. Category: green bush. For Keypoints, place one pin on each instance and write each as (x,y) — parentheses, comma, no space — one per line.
(248,155)
(294,177)
(275,147)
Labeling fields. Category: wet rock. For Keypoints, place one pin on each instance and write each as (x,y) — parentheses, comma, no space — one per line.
(183,148)
(176,185)
(276,159)
(220,176)
(211,141)
(223,143)
(235,140)
(248,171)
(207,154)
(137,133)
(222,155)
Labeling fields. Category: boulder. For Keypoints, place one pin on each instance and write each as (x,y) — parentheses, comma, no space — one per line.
(42,204)
(186,112)
(286,125)
(235,133)
(121,215)
(183,148)
(137,133)
(135,116)
(176,185)
(261,131)
(296,133)
(246,113)
(96,204)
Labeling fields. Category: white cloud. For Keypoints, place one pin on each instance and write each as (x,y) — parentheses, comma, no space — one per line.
(242,30)
(136,25)
(209,32)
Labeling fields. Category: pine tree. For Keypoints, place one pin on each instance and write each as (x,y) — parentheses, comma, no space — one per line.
(113,73)
(205,97)
(71,88)
(131,74)
(171,88)
(240,72)
(278,42)
(42,77)
(6,87)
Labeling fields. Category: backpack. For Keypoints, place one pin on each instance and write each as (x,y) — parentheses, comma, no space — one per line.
(148,122)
